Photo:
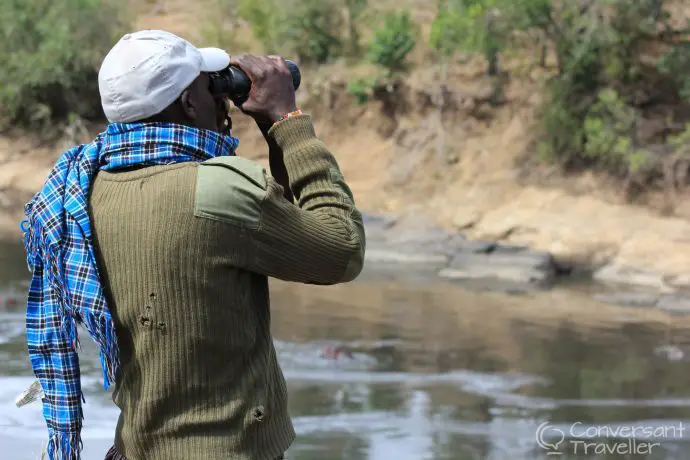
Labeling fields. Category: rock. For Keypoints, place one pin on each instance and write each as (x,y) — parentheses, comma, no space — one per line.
(416,230)
(677,303)
(466,220)
(629,299)
(477,246)
(512,249)
(670,352)
(680,282)
(618,274)
(375,227)
(411,242)
(392,253)
(524,267)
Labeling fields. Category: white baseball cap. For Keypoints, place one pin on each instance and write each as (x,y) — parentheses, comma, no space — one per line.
(146,71)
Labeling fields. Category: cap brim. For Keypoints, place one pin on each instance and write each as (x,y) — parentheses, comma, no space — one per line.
(214,59)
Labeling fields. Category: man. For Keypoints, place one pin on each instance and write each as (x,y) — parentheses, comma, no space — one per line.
(159,240)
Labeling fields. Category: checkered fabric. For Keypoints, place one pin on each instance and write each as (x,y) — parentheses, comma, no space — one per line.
(65,289)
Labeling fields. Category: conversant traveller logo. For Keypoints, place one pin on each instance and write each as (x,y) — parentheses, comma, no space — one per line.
(620,439)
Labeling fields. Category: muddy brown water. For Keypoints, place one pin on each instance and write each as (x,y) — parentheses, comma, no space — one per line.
(438,372)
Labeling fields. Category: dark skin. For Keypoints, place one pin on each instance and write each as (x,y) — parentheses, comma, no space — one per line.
(272,96)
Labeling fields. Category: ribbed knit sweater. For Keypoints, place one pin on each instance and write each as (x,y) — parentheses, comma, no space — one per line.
(184,252)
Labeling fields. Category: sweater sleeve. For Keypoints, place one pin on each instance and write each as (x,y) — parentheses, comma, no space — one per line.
(318,240)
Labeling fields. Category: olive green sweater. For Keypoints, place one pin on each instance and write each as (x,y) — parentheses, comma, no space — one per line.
(184,251)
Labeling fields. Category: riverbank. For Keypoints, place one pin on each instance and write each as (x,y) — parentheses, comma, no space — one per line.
(410,245)
(480,224)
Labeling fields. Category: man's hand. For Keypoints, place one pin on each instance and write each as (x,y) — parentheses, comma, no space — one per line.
(272,94)
(271,97)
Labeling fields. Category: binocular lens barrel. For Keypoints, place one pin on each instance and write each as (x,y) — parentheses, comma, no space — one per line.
(235,84)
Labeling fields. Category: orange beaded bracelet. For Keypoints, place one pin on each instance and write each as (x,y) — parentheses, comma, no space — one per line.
(291,114)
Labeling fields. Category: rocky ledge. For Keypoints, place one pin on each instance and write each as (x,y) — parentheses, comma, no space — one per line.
(409,244)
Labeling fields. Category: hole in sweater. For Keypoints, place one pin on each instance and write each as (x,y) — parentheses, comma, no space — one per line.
(146,322)
(258,414)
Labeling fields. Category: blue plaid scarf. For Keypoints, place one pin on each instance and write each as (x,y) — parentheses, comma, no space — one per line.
(65,288)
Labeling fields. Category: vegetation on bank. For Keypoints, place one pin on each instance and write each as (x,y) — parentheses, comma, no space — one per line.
(616,98)
(50,51)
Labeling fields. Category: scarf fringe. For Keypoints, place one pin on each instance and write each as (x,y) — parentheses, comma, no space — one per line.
(104,330)
(64,446)
(101,328)
(37,244)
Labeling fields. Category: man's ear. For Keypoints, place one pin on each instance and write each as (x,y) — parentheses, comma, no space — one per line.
(188,106)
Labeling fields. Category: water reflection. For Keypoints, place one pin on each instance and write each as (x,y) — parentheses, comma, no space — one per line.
(437,373)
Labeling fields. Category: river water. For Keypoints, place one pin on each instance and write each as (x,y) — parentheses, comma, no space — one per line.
(438,372)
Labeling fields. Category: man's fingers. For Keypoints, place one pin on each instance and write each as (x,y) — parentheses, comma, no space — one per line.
(280,63)
(256,67)
(245,62)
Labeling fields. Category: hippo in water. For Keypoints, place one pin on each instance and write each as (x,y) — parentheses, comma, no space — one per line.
(336,352)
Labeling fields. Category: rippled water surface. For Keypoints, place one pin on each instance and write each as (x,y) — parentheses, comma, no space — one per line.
(436,372)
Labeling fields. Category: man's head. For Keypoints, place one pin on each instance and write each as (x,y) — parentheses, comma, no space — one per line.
(154,75)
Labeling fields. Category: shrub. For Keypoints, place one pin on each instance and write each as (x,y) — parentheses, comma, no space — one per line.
(608,129)
(50,52)
(392,42)
(676,64)
(472,26)
(590,116)
(311,29)
(315,30)
(561,138)
(362,88)
(447,34)
(681,142)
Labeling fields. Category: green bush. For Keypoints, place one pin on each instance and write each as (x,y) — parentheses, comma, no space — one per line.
(589,117)
(315,30)
(561,138)
(608,129)
(676,64)
(392,42)
(310,29)
(362,88)
(447,34)
(50,52)
(471,26)
(680,143)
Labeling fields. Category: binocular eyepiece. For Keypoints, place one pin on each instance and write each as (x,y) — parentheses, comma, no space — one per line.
(234,84)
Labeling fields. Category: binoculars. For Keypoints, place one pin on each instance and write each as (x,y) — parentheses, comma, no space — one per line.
(234,84)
